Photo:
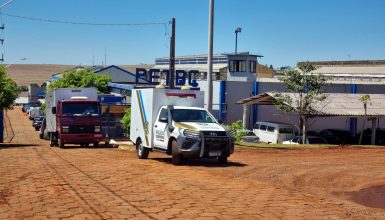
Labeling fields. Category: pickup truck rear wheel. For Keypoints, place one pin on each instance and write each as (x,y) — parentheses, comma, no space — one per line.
(176,157)
(141,151)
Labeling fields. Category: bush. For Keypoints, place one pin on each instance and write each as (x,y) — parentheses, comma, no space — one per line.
(236,126)
(126,122)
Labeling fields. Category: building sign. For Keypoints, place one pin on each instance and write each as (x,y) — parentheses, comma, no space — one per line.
(181,76)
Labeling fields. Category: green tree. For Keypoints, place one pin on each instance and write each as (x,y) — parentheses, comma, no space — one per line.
(8,90)
(82,79)
(307,88)
(126,121)
(365,99)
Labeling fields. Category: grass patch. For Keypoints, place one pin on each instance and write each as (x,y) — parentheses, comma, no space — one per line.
(303,146)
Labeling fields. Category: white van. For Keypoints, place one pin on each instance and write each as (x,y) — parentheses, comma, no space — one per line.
(273,132)
(34,112)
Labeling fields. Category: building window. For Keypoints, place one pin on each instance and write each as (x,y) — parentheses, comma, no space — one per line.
(237,66)
(253,66)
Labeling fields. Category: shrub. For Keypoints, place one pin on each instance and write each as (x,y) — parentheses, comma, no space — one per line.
(126,122)
(236,127)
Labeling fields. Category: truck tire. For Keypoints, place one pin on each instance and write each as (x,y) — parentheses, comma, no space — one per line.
(176,157)
(51,141)
(60,143)
(141,151)
(222,159)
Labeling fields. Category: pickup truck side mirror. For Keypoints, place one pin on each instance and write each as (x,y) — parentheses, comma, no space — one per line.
(54,110)
(164,120)
(220,121)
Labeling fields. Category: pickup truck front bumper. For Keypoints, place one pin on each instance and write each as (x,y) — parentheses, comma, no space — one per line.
(206,147)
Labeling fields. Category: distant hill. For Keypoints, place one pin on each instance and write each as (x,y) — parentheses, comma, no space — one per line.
(25,74)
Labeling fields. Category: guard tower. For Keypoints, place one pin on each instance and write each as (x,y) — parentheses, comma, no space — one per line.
(242,67)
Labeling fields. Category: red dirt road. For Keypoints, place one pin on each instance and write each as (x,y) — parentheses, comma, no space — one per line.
(40,182)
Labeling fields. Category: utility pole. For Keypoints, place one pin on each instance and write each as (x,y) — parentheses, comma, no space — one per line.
(172,56)
(210,58)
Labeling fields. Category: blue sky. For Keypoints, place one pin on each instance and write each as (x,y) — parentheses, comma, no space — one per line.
(284,32)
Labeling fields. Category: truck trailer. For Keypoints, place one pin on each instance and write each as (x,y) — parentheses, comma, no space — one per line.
(175,122)
(73,117)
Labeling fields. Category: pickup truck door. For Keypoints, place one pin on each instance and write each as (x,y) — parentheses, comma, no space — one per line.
(161,133)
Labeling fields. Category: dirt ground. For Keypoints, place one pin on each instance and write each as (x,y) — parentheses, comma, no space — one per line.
(40,182)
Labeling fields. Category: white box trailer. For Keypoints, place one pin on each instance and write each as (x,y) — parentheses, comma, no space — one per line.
(175,122)
(63,94)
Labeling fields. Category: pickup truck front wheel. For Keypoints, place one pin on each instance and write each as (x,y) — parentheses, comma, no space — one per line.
(176,156)
(141,151)
(222,159)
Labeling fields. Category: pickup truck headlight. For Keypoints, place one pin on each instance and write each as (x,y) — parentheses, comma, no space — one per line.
(97,129)
(65,129)
(192,134)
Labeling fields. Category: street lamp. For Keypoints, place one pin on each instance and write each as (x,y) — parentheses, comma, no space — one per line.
(15,62)
(238,30)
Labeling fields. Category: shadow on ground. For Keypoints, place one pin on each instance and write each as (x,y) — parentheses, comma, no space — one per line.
(373,196)
(101,146)
(201,162)
(9,145)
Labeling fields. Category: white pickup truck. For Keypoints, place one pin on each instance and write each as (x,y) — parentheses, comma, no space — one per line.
(175,122)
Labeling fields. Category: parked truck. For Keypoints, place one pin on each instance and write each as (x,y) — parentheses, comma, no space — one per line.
(73,117)
(175,122)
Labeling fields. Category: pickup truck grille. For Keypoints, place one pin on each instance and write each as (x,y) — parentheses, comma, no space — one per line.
(216,143)
(84,129)
(214,133)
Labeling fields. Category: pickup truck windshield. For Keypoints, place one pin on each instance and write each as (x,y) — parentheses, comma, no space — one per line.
(80,109)
(191,115)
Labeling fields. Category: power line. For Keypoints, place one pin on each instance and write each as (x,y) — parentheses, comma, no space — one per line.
(84,23)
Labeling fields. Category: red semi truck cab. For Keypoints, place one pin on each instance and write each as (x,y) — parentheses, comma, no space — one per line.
(78,122)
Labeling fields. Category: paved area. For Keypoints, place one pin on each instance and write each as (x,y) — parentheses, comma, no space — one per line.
(40,182)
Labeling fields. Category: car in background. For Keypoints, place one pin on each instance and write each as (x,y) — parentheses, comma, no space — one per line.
(42,132)
(37,122)
(367,137)
(247,136)
(27,106)
(309,140)
(273,132)
(336,136)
